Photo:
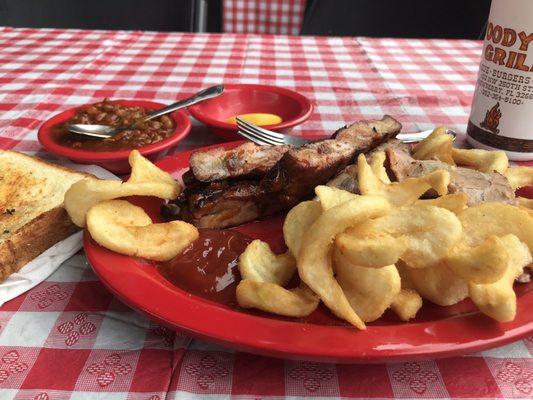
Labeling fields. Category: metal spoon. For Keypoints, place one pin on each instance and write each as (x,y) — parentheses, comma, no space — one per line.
(106,131)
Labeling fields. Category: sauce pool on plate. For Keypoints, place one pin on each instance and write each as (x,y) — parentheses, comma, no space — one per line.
(208,268)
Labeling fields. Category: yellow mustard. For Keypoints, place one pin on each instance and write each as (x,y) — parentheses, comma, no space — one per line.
(260,119)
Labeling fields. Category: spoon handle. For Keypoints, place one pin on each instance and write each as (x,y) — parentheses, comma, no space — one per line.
(205,94)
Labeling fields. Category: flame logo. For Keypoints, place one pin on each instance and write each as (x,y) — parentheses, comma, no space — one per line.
(492,119)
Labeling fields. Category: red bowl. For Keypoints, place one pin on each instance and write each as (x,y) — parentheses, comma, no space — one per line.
(114,161)
(239,99)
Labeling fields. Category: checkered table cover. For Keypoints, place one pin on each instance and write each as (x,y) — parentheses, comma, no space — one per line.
(283,17)
(69,338)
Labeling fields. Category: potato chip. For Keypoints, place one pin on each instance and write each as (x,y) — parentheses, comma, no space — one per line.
(482,160)
(519,177)
(485,263)
(404,276)
(84,194)
(127,214)
(499,219)
(426,142)
(331,196)
(406,304)
(142,170)
(444,151)
(498,299)
(400,193)
(377,250)
(431,232)
(370,291)
(258,263)
(297,222)
(455,202)
(314,262)
(377,163)
(146,180)
(438,146)
(272,298)
(525,202)
(437,283)
(126,229)
(438,180)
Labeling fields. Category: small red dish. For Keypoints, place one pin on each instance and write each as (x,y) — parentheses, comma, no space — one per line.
(238,99)
(436,331)
(114,161)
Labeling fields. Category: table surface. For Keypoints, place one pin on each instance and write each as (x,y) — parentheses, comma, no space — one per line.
(69,338)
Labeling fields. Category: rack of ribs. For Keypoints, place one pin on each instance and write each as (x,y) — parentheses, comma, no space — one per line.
(231,187)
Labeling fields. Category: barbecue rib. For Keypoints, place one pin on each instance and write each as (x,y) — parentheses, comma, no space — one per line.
(246,160)
(295,176)
(292,179)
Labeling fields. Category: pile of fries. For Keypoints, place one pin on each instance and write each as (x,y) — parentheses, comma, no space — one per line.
(387,248)
(123,227)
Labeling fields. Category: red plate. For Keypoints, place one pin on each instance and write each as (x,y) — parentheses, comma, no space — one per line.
(436,332)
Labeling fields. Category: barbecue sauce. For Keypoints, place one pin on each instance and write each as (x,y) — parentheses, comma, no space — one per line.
(208,267)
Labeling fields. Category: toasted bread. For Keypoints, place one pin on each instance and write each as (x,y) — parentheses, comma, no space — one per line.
(32,217)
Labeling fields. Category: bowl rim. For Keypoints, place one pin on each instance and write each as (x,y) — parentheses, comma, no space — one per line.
(180,118)
(306,107)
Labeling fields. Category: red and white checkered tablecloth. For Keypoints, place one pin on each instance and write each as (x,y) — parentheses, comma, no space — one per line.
(283,17)
(69,338)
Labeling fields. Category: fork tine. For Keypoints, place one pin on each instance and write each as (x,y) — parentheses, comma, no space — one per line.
(261,136)
(257,139)
(261,131)
(252,139)
(242,123)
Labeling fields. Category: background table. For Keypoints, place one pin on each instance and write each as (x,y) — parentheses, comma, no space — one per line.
(69,338)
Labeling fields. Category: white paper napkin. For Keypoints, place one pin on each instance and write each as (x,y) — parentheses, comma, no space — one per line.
(45,264)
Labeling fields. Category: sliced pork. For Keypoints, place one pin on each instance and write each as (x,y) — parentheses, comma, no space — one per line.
(346,179)
(479,186)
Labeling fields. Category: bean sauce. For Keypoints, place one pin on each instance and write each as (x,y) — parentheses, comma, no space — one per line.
(116,115)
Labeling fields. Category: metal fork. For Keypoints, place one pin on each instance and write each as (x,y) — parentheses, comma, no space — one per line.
(264,136)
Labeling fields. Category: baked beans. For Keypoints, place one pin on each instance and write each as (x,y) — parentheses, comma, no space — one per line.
(109,113)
